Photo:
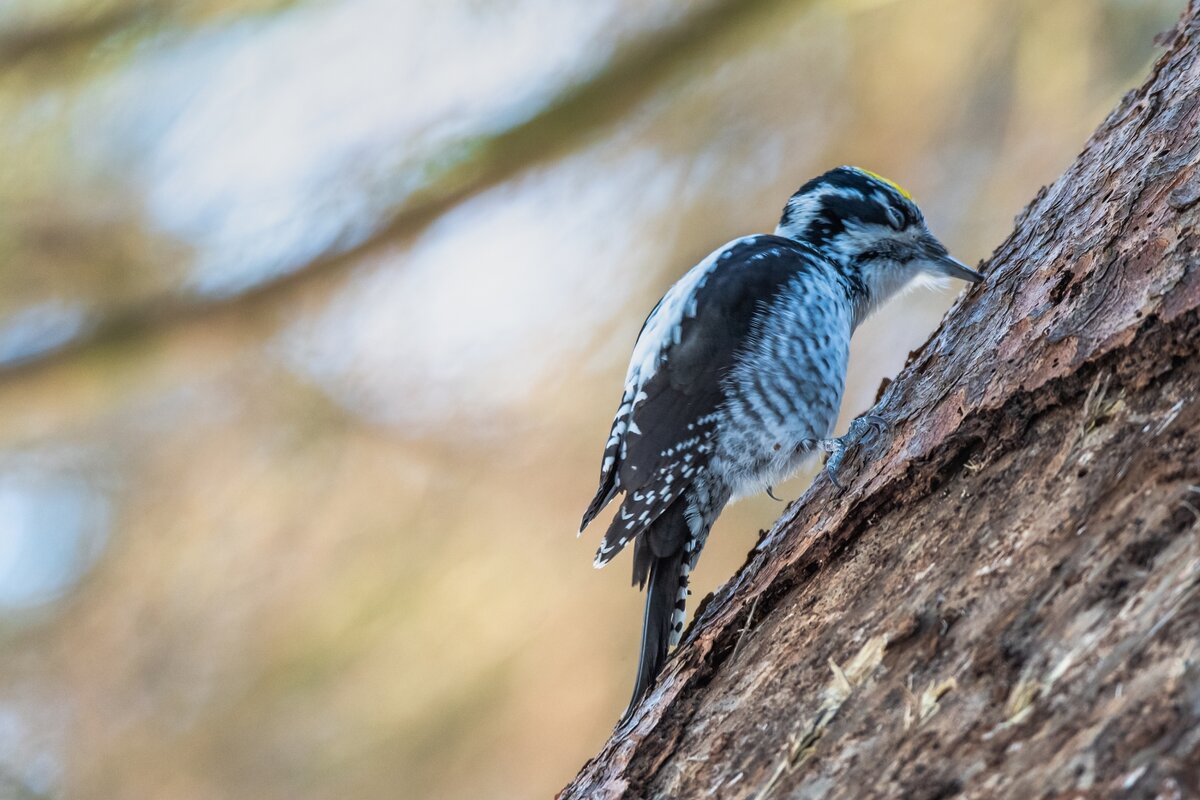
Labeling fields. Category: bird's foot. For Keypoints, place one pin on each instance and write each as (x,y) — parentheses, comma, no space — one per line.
(864,431)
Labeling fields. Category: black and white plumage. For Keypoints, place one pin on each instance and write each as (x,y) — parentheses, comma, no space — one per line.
(737,376)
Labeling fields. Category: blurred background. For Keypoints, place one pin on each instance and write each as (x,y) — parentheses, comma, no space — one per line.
(313,317)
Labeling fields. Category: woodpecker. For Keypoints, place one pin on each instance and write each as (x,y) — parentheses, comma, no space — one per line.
(737,376)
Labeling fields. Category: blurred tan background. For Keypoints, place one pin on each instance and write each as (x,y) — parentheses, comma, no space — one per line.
(314,316)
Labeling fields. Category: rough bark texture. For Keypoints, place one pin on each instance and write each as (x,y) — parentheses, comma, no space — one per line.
(1005,603)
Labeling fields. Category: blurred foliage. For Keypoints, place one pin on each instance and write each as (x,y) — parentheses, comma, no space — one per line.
(313,316)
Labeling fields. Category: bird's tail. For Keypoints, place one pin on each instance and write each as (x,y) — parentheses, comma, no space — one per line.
(666,594)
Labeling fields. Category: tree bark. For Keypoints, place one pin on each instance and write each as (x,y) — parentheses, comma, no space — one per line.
(1006,600)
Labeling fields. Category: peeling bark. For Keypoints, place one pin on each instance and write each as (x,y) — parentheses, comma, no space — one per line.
(1005,603)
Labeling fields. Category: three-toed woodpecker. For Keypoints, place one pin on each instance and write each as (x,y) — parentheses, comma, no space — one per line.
(737,376)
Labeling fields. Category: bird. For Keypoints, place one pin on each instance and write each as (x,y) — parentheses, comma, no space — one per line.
(737,376)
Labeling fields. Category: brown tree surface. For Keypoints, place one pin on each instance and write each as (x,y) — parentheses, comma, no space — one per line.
(1006,601)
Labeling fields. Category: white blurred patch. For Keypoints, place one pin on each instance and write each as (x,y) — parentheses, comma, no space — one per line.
(39,329)
(268,143)
(32,739)
(495,297)
(52,528)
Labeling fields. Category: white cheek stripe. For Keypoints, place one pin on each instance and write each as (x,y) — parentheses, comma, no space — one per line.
(801,210)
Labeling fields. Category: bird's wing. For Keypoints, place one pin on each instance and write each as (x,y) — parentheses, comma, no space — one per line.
(661,332)
(662,435)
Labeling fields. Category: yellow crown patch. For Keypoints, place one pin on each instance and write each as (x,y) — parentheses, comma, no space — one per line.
(903,192)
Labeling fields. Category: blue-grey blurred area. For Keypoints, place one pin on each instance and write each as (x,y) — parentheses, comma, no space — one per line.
(313,316)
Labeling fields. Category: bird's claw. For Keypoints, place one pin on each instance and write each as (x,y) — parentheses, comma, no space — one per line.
(863,431)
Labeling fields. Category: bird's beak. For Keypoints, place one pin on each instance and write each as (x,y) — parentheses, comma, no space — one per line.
(948,265)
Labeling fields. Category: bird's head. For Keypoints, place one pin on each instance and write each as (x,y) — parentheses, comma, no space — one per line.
(870,227)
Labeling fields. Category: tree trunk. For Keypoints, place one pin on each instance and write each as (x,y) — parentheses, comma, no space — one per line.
(1006,600)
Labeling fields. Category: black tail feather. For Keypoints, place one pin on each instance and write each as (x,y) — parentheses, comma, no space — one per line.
(661,595)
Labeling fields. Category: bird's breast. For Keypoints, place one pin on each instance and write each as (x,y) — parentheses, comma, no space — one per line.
(784,391)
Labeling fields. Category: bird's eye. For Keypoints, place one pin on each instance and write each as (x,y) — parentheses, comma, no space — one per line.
(895,218)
